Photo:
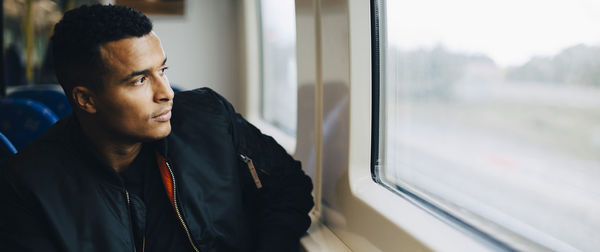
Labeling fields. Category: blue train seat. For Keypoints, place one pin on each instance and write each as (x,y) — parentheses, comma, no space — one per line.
(24,120)
(175,89)
(50,95)
(7,149)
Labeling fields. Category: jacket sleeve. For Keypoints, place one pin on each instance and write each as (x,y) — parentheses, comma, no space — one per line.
(21,229)
(285,199)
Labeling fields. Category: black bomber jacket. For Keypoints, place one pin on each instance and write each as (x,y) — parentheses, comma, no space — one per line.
(234,188)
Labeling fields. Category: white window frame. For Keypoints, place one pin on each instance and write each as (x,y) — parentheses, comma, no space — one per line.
(252,73)
(386,222)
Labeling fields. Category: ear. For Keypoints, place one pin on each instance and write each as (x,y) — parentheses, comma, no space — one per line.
(84,99)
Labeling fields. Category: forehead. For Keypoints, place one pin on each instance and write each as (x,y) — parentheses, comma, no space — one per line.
(132,54)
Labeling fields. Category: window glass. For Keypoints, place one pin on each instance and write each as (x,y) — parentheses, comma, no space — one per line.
(491,110)
(279,71)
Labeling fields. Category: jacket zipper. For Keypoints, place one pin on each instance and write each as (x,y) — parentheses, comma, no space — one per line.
(187,231)
(130,221)
(252,169)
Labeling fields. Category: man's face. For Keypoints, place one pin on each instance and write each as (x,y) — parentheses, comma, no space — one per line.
(136,99)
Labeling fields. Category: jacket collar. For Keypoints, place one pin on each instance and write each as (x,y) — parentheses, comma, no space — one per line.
(161,146)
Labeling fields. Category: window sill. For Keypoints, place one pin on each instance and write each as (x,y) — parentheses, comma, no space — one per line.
(320,238)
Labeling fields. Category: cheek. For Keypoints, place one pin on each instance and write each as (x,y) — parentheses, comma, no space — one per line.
(127,108)
(125,114)
(134,116)
(130,122)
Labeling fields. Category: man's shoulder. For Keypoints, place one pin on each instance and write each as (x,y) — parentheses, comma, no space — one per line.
(42,154)
(203,99)
(196,95)
(200,113)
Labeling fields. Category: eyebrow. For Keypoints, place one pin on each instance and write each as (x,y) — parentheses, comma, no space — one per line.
(143,72)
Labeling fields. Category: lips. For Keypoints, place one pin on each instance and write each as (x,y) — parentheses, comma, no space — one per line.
(163,117)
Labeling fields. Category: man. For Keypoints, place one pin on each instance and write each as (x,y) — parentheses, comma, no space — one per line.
(137,168)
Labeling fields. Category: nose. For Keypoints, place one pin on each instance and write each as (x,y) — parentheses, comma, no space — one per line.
(162,89)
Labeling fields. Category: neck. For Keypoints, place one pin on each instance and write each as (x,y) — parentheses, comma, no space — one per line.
(118,153)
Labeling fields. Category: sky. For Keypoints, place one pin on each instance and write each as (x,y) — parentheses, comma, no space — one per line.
(508,31)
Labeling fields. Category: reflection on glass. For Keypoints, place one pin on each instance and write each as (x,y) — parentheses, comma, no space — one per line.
(492,108)
(279,77)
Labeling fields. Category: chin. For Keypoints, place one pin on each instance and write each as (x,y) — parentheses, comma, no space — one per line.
(164,133)
(159,133)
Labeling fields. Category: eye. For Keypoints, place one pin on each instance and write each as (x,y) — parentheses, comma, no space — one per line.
(163,70)
(140,81)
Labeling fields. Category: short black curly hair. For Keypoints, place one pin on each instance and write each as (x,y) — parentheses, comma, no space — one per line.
(80,33)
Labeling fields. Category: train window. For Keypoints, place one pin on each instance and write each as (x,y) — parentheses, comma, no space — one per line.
(278,64)
(490,113)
